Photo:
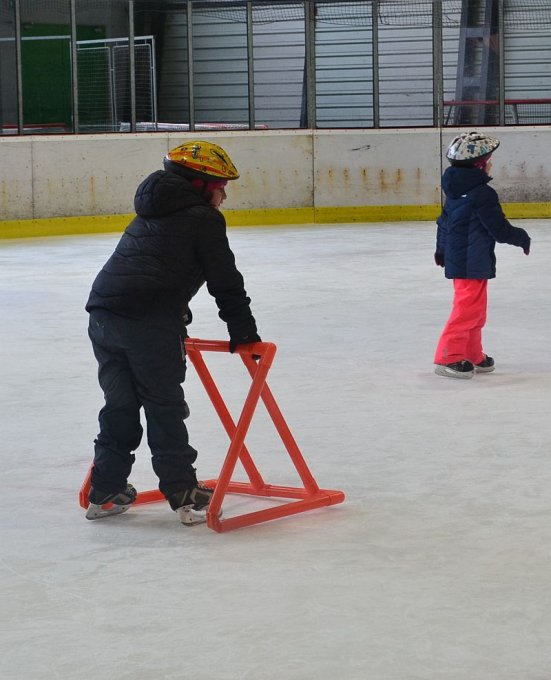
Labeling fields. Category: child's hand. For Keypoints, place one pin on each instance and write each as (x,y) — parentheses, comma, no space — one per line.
(439,259)
(243,340)
(525,240)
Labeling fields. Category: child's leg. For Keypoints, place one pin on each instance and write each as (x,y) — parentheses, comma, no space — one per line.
(479,302)
(455,342)
(119,419)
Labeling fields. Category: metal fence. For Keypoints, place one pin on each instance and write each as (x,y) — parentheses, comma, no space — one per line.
(248,64)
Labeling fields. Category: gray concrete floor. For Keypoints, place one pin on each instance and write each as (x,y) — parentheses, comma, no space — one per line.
(436,567)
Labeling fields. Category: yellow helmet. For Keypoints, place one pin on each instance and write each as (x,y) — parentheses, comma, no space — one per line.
(200,160)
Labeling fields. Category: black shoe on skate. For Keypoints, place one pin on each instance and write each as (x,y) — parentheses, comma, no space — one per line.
(460,369)
(119,502)
(192,504)
(487,365)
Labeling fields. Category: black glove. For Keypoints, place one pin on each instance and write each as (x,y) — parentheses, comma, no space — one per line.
(243,340)
(521,239)
(439,258)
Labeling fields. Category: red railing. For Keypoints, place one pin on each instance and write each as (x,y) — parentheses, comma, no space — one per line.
(479,112)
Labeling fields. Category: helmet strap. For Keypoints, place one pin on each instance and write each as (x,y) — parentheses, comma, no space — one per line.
(200,184)
(207,187)
(482,162)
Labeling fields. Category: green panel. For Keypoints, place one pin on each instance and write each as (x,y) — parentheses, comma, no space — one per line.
(46,73)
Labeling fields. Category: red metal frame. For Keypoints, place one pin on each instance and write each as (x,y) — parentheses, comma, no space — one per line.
(513,109)
(307,497)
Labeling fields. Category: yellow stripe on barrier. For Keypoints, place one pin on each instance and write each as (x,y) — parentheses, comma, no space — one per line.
(378,213)
(520,211)
(98,224)
(63,226)
(269,217)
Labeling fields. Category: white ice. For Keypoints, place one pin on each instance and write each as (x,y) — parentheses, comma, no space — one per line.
(436,567)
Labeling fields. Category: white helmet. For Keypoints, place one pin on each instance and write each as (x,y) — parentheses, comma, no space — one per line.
(470,147)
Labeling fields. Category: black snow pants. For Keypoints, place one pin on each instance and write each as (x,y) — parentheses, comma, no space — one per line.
(140,366)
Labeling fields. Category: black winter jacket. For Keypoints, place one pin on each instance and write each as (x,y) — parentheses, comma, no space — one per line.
(176,242)
(470,224)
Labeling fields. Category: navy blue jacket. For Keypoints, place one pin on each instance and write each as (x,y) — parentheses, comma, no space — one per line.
(471,223)
(175,244)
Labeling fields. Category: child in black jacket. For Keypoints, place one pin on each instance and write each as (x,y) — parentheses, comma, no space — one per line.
(139,311)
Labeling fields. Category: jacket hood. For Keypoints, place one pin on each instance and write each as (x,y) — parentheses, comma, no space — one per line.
(164,193)
(457,181)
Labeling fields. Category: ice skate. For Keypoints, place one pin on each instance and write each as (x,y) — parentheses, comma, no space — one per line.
(116,503)
(192,504)
(487,365)
(460,369)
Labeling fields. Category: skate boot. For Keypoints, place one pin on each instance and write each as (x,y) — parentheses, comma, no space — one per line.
(192,504)
(116,502)
(460,369)
(487,365)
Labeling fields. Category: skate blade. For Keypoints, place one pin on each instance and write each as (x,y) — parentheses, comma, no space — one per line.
(448,373)
(98,511)
(190,517)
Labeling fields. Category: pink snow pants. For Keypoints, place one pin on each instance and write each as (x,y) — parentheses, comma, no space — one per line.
(462,334)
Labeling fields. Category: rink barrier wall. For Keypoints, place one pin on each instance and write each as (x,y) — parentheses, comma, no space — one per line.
(103,224)
(65,184)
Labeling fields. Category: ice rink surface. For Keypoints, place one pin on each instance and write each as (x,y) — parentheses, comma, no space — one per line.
(436,567)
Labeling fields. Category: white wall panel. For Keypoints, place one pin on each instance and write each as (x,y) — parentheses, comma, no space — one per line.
(93,174)
(16,173)
(377,167)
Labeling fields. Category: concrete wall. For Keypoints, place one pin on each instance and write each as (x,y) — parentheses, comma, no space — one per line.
(294,175)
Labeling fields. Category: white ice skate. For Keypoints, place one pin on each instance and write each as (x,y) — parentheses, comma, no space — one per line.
(193,504)
(487,365)
(110,504)
(459,369)
(189,517)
